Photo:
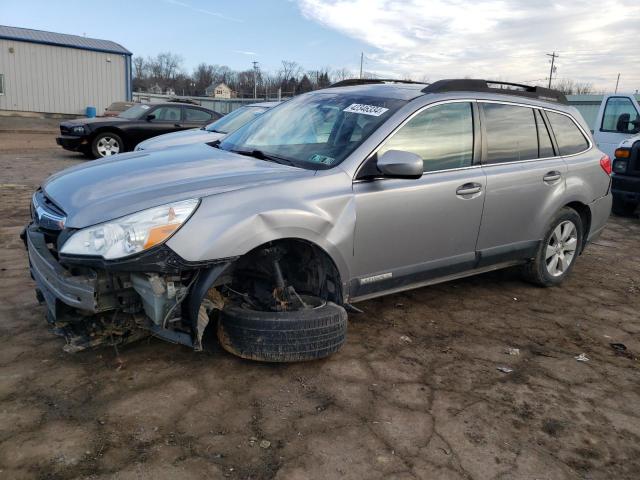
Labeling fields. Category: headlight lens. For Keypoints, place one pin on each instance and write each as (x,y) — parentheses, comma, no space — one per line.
(78,130)
(131,234)
(620,166)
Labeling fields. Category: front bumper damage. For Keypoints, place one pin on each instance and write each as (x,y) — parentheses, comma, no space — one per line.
(91,302)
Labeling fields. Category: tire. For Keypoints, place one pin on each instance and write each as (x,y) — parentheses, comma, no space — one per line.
(541,270)
(283,336)
(622,208)
(106,144)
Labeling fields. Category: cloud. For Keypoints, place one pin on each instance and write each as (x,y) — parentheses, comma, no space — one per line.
(221,16)
(498,39)
(245,52)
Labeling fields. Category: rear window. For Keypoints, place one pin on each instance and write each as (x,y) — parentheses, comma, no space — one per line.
(512,134)
(568,136)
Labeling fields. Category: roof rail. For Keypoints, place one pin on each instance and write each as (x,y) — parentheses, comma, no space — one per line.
(491,86)
(365,81)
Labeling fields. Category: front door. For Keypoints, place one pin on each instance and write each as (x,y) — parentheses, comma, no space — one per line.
(166,118)
(619,120)
(409,231)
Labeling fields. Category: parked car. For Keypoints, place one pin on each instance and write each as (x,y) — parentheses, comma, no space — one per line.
(336,196)
(625,178)
(209,133)
(102,137)
(116,108)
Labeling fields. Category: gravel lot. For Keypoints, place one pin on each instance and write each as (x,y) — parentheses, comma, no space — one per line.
(415,394)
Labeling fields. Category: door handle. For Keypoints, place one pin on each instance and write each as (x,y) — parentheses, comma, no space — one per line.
(468,189)
(177,125)
(552,176)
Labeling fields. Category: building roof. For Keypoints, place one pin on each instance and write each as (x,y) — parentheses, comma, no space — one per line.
(61,39)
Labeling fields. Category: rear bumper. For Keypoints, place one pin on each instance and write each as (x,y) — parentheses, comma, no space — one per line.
(75,144)
(54,281)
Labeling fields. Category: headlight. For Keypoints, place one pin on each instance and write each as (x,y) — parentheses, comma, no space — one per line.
(130,234)
(78,130)
(620,166)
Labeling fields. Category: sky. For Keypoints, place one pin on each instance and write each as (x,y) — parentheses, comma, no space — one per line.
(419,39)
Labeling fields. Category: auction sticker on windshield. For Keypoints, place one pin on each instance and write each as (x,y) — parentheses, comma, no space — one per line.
(372,110)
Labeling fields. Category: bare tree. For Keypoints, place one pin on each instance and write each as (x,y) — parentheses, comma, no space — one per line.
(342,74)
(290,69)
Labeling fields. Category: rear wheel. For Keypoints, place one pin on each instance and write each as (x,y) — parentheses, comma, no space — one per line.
(286,336)
(558,250)
(106,144)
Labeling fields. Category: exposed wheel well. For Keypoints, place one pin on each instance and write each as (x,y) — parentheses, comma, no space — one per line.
(305,266)
(585,215)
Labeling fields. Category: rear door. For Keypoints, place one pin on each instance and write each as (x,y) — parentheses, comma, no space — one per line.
(409,231)
(525,181)
(619,119)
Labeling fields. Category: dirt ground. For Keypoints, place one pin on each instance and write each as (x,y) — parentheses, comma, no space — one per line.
(415,394)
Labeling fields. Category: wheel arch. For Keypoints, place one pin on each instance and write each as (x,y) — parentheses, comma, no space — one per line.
(296,248)
(111,129)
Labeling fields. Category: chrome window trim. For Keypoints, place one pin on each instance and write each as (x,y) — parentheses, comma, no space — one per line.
(402,124)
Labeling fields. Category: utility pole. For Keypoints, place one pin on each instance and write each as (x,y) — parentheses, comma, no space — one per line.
(552,70)
(255,79)
(361,60)
(617,83)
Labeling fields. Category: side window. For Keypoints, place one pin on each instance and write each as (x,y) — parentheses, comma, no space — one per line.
(511,133)
(569,137)
(441,135)
(620,115)
(167,114)
(195,115)
(544,140)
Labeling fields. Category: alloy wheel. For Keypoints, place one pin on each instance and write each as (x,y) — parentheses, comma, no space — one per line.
(561,248)
(108,146)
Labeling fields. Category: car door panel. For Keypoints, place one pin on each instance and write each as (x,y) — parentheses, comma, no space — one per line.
(607,135)
(411,230)
(429,230)
(522,192)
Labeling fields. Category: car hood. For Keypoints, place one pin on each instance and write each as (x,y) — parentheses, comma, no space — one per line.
(110,188)
(91,121)
(628,143)
(185,137)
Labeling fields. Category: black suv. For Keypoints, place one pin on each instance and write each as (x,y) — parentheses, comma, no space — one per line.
(101,137)
(625,184)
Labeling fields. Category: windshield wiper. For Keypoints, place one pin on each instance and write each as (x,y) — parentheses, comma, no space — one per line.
(260,155)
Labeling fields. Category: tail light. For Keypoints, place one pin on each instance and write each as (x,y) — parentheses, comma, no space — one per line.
(605,163)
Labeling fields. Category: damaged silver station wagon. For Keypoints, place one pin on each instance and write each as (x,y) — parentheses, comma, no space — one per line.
(339,195)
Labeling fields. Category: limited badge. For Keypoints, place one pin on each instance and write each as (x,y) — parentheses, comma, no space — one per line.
(363,109)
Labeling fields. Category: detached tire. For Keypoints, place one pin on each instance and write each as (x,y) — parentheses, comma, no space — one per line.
(283,336)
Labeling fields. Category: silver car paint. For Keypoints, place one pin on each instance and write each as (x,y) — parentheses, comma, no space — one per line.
(366,228)
(195,135)
(184,137)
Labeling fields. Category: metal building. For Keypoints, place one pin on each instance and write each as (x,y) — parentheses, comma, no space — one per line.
(57,73)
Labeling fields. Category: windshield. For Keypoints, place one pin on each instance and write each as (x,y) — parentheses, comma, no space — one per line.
(234,120)
(316,130)
(135,112)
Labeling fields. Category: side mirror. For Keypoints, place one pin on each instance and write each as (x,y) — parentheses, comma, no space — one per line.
(150,117)
(400,164)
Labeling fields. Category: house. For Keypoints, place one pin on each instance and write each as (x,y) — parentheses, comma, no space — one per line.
(50,72)
(220,90)
(170,91)
(156,89)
